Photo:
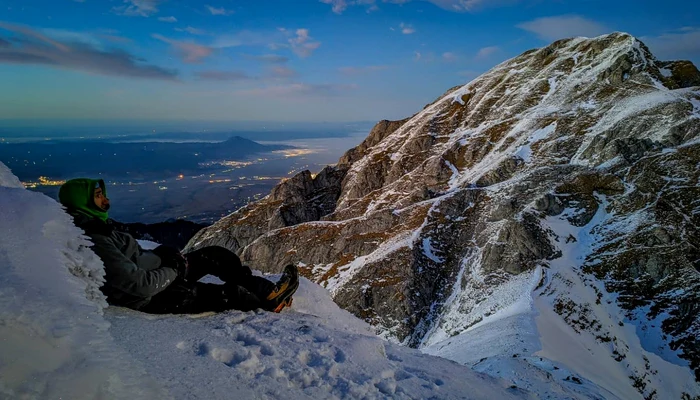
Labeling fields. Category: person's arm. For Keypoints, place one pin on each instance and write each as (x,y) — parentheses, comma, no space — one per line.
(124,275)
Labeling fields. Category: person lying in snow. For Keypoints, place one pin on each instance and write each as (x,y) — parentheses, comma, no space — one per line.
(164,281)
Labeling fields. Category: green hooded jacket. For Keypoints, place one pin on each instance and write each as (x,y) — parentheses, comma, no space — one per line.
(77,196)
(132,274)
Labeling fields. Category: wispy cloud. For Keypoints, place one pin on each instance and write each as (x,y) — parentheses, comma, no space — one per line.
(428,57)
(299,89)
(267,58)
(449,56)
(362,70)
(169,19)
(486,52)
(137,8)
(338,5)
(191,30)
(215,75)
(407,29)
(189,51)
(564,26)
(450,5)
(115,38)
(681,44)
(282,72)
(35,47)
(302,44)
(468,5)
(218,11)
(67,36)
(245,38)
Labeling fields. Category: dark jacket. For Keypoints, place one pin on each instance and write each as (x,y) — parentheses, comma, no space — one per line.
(132,274)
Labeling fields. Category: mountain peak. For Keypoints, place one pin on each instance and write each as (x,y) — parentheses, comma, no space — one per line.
(549,185)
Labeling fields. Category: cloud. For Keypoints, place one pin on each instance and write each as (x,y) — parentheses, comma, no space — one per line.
(267,58)
(683,44)
(302,44)
(170,19)
(215,75)
(486,52)
(115,38)
(362,70)
(564,26)
(189,51)
(465,5)
(406,29)
(243,38)
(298,89)
(417,55)
(137,8)
(449,56)
(37,48)
(219,11)
(282,72)
(450,5)
(191,30)
(67,36)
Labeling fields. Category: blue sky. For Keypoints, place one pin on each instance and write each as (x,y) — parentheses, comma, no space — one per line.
(288,60)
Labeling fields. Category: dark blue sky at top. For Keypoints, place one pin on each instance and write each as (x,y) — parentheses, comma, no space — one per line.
(330,60)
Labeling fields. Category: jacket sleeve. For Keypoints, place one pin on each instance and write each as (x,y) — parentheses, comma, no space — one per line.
(124,275)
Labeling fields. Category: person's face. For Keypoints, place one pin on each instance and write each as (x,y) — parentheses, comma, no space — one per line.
(101,201)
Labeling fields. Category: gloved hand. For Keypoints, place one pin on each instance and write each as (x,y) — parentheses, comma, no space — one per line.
(165,252)
(171,257)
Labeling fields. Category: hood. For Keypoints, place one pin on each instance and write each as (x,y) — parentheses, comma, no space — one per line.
(77,196)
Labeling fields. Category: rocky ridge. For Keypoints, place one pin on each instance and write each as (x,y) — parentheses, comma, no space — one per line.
(418,227)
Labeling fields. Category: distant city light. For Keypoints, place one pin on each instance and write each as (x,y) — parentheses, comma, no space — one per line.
(43,181)
(296,152)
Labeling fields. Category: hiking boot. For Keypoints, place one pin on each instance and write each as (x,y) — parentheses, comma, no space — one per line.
(281,295)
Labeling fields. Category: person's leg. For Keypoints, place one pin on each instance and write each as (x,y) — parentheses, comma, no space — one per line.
(217,261)
(175,299)
(225,265)
(217,298)
(194,298)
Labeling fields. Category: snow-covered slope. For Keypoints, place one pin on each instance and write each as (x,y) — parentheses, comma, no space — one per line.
(315,350)
(563,184)
(54,341)
(59,340)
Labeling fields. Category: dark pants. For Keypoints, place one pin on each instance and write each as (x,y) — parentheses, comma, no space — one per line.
(241,290)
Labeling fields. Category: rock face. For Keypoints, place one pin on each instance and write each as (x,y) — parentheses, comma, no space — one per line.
(431,215)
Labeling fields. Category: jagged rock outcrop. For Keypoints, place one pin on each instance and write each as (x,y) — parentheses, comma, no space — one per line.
(433,214)
(302,198)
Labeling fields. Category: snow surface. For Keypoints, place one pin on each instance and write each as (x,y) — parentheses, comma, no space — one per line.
(55,343)
(666,72)
(581,352)
(60,340)
(531,346)
(525,152)
(314,351)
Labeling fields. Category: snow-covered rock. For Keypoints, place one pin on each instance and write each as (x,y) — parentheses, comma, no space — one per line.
(451,217)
